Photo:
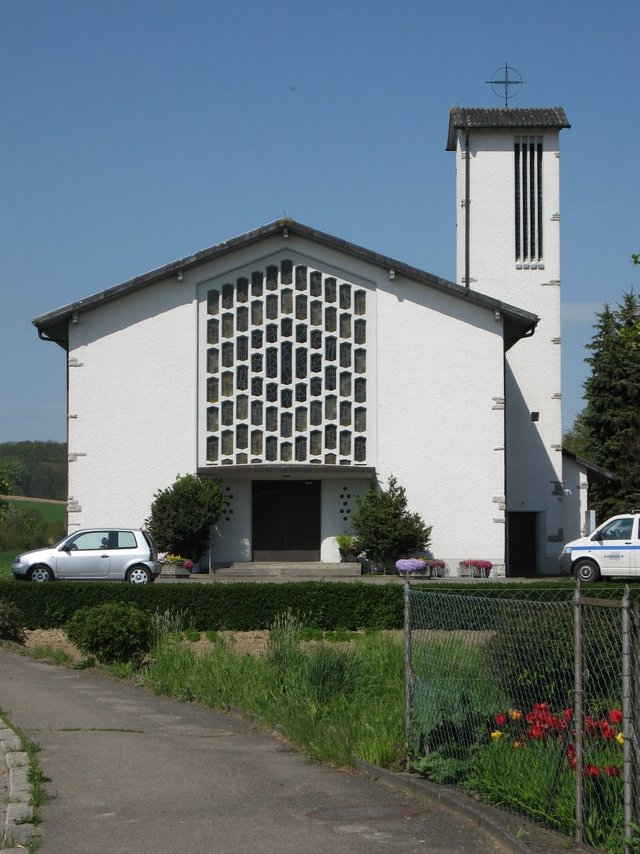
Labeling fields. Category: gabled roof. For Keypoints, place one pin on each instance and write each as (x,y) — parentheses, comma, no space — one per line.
(53,326)
(467,118)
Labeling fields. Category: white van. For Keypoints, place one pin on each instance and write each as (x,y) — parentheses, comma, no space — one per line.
(612,549)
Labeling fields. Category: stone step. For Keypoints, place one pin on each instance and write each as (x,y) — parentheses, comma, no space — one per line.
(303,569)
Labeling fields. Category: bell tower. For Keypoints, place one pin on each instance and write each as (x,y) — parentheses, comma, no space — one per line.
(508,247)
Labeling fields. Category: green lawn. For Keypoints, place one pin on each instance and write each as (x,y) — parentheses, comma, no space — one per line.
(51,511)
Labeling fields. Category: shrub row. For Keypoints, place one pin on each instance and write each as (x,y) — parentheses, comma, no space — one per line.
(252,605)
(234,607)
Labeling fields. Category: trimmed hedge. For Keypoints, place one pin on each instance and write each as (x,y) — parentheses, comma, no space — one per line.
(247,606)
(216,606)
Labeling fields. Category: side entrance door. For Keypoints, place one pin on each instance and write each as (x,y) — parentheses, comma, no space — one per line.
(521,546)
(286,520)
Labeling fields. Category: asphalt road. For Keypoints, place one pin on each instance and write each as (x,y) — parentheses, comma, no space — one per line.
(130,771)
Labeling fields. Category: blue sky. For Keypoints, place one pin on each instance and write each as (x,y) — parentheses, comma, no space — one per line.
(135,132)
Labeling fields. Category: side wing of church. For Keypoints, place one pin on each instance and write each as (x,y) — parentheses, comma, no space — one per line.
(295,367)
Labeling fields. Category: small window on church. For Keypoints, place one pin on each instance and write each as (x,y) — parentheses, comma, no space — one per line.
(286,424)
(315,284)
(315,315)
(301,278)
(242,319)
(212,419)
(212,361)
(256,284)
(256,312)
(227,296)
(212,449)
(272,306)
(242,289)
(256,413)
(272,278)
(286,272)
(360,449)
(242,348)
(345,296)
(242,407)
(213,332)
(271,448)
(331,407)
(286,301)
(330,436)
(213,302)
(242,436)
(227,413)
(272,333)
(301,449)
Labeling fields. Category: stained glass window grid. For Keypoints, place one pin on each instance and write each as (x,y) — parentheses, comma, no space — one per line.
(334,291)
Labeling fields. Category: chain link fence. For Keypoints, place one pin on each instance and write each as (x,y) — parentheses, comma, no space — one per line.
(528,698)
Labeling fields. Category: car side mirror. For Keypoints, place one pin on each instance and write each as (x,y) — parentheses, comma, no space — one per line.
(65,548)
(597,536)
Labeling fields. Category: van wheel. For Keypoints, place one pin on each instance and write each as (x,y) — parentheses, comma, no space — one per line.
(586,570)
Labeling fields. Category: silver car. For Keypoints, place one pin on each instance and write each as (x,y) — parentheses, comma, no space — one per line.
(102,554)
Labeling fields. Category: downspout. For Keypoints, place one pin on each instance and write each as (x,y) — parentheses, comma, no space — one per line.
(467,203)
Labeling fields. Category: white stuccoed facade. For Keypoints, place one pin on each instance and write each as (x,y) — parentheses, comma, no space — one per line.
(496,192)
(290,359)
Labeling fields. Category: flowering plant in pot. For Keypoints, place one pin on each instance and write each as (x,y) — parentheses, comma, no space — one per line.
(477,568)
(177,564)
(437,568)
(410,566)
(349,547)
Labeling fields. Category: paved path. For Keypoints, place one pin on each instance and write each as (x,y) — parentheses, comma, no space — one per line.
(131,772)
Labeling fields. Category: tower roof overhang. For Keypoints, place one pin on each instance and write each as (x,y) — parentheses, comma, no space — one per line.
(508,118)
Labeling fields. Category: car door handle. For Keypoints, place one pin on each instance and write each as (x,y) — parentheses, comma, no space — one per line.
(103,556)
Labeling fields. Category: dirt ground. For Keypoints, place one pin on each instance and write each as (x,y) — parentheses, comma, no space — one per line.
(252,642)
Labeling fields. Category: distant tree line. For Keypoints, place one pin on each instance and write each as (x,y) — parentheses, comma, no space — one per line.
(35,469)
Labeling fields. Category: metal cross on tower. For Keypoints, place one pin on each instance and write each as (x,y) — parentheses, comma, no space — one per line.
(514,82)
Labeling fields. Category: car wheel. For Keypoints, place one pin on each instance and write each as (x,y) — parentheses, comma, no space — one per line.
(139,575)
(586,570)
(40,574)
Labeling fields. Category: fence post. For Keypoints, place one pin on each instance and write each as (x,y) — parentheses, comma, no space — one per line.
(578,712)
(627,711)
(408,670)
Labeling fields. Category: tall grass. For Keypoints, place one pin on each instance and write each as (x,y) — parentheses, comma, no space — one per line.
(338,703)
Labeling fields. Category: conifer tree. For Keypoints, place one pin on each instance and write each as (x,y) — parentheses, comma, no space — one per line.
(612,414)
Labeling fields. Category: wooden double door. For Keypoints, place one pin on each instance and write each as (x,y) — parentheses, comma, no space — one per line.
(286,520)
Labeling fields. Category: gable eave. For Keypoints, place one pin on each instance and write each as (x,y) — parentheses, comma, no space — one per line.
(54,325)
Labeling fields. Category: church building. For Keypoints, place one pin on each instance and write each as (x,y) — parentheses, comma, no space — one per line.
(296,367)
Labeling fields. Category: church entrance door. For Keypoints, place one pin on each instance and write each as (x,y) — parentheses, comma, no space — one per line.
(286,520)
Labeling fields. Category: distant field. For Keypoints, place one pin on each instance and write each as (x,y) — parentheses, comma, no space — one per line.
(52,511)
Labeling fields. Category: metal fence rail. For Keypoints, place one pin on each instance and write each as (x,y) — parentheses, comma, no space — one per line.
(529,698)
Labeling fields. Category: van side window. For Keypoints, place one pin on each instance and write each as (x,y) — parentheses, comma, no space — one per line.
(618,529)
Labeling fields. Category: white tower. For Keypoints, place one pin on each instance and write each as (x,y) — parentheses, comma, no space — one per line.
(508,247)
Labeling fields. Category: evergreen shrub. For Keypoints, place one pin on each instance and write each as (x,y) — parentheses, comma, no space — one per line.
(113,632)
(11,622)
